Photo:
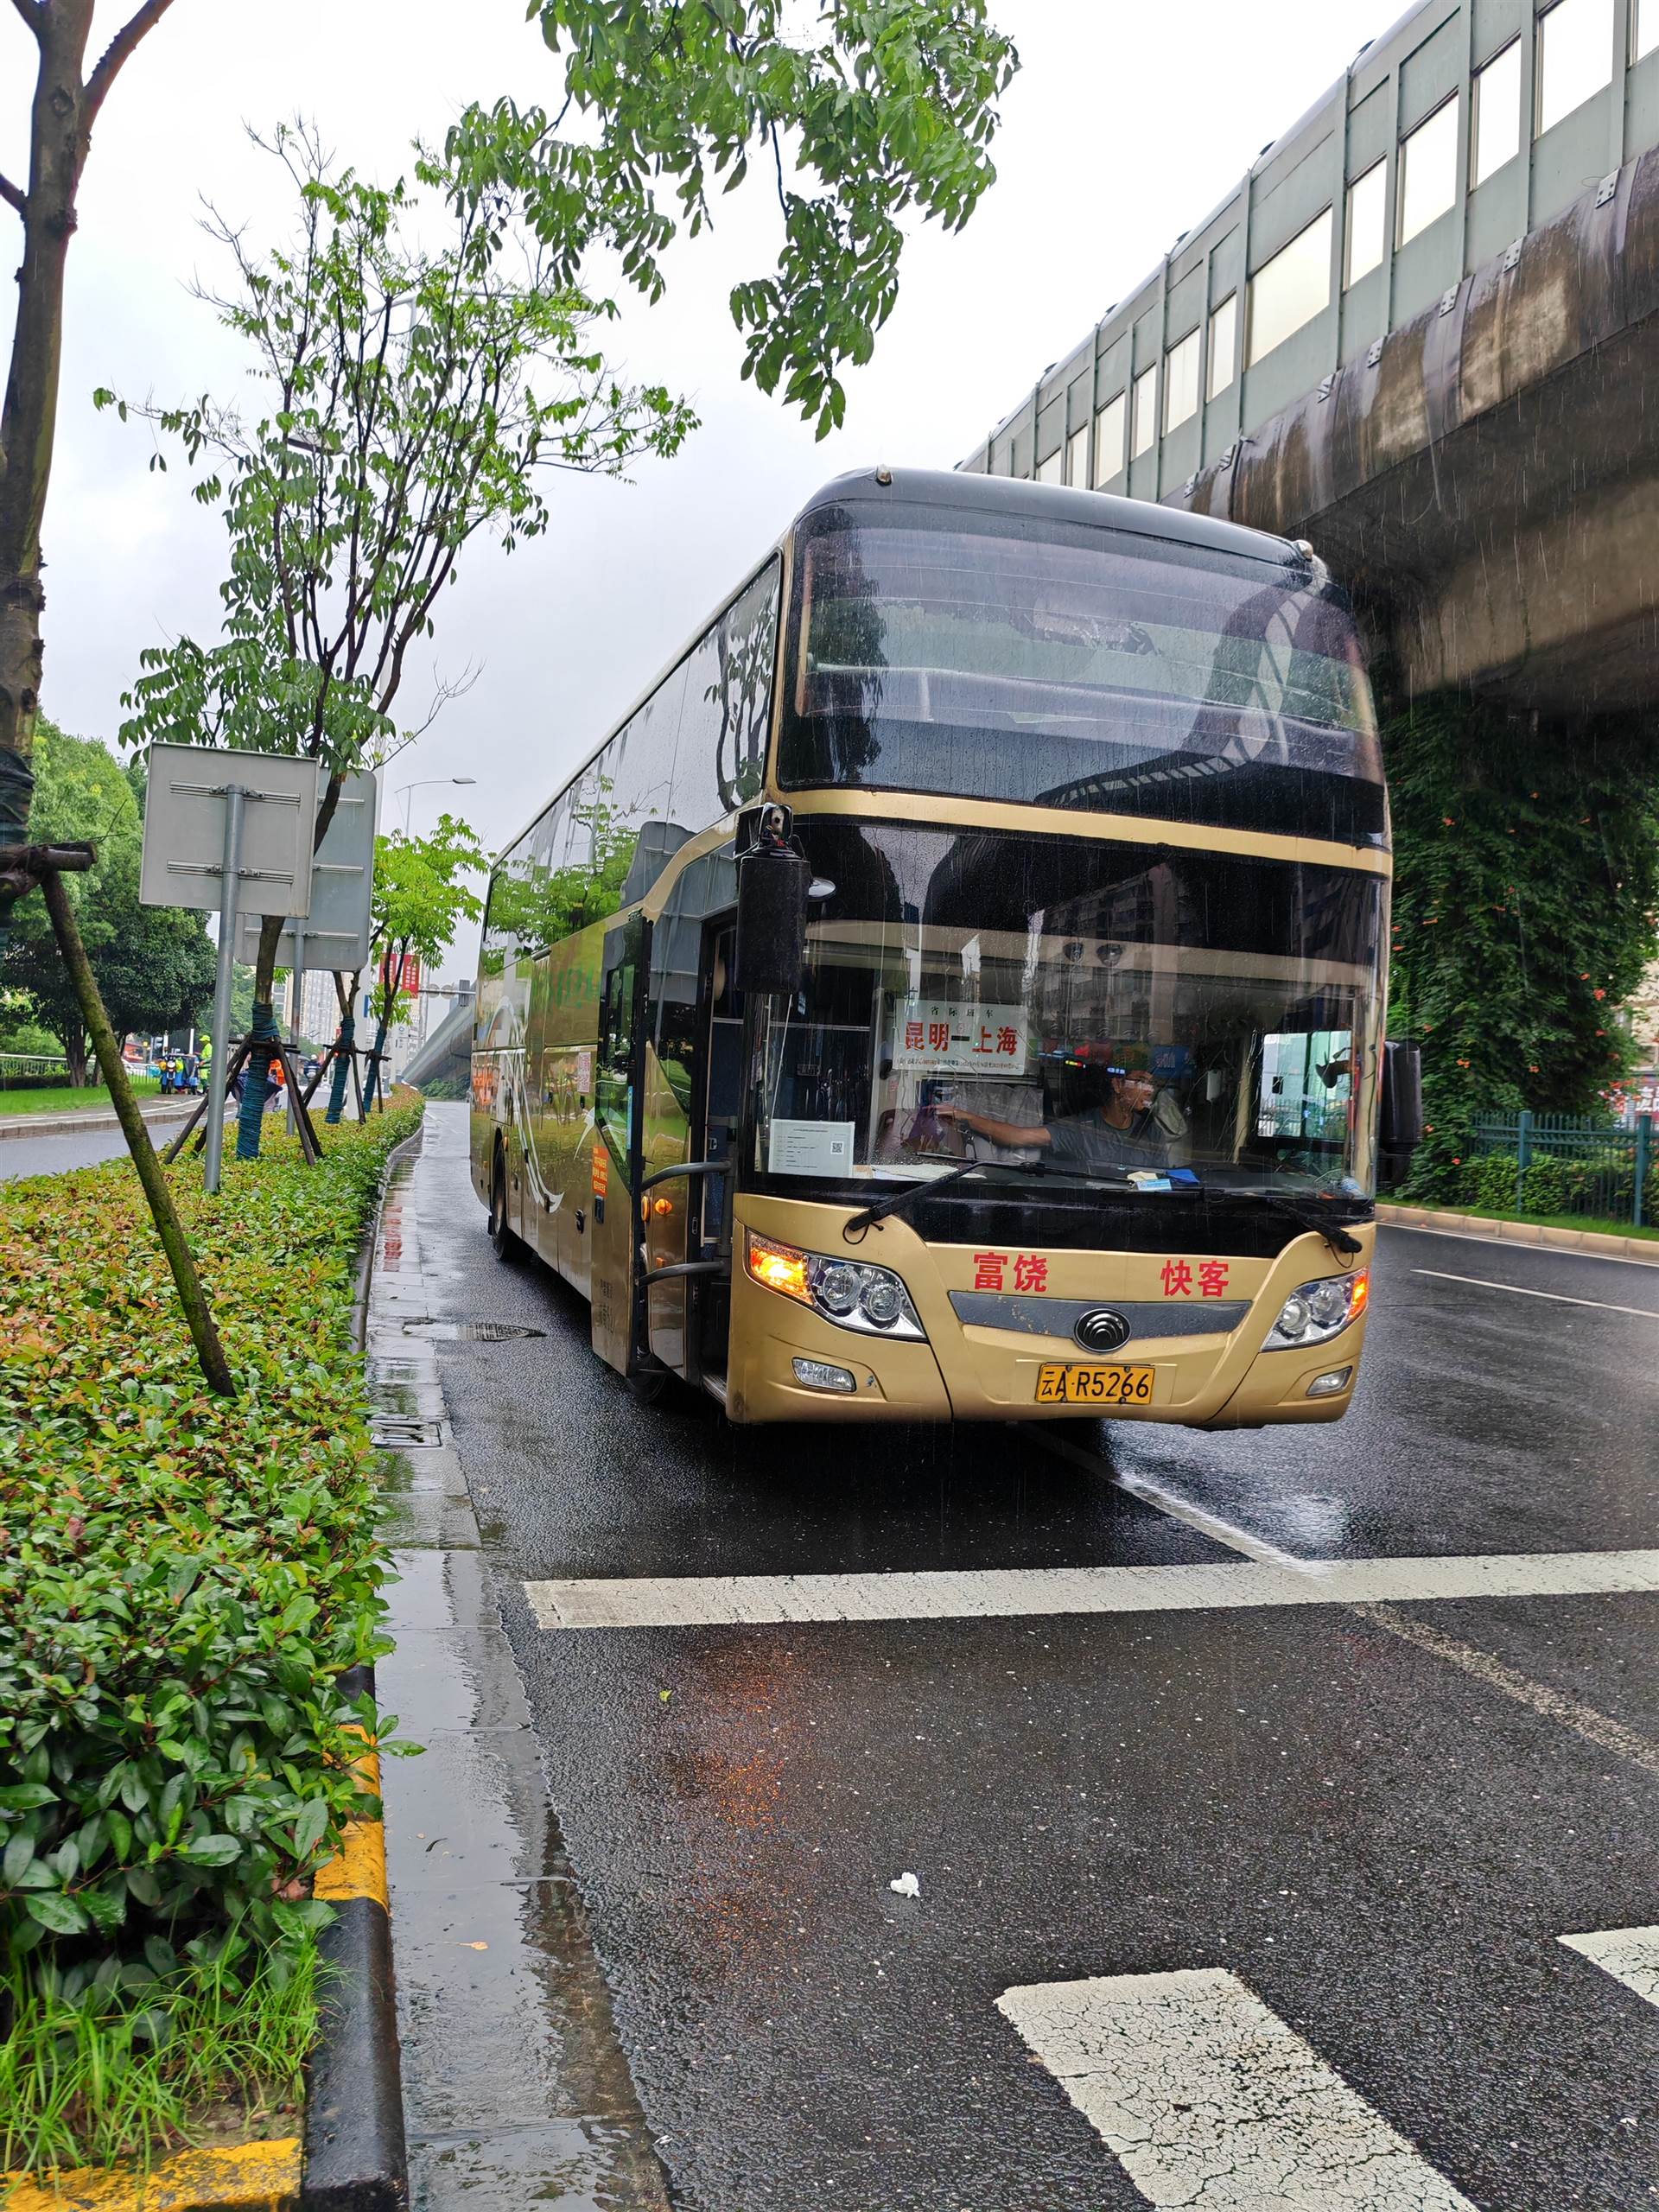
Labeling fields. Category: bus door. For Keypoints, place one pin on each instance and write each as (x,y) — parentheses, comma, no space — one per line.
(691,1062)
(618,1089)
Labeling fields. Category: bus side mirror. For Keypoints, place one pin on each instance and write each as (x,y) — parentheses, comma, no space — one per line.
(772,885)
(1400,1122)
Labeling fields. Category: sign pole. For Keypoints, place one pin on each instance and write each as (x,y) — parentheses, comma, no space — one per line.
(229,876)
(296,988)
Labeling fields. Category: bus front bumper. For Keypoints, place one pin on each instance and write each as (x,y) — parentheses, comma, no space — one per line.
(790,1363)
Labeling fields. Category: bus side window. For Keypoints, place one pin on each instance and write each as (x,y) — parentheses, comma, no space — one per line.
(619,1001)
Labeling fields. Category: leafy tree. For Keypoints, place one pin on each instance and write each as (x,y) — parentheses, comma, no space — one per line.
(419,394)
(881,109)
(1494,824)
(153,965)
(421,897)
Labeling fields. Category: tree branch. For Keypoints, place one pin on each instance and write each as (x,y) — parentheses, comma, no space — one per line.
(31,12)
(12,196)
(115,54)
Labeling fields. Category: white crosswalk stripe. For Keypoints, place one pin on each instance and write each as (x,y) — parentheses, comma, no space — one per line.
(759,1600)
(1208,2100)
(1629,1954)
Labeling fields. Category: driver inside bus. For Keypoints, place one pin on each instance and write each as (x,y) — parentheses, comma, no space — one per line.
(1117,1131)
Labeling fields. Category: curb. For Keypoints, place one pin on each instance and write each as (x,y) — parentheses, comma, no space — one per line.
(355,2156)
(72,1124)
(250,2178)
(355,2159)
(1644,1250)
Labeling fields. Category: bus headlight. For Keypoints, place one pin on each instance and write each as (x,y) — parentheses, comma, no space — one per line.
(849,1293)
(1316,1311)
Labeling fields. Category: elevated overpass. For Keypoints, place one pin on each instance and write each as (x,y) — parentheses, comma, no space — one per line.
(443,1066)
(1422,332)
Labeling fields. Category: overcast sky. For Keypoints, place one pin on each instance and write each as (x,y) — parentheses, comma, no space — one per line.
(1127,124)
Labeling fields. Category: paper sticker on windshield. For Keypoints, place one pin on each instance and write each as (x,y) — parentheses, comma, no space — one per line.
(935,1036)
(809,1148)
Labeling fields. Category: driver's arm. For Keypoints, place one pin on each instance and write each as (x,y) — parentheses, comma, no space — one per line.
(1015,1134)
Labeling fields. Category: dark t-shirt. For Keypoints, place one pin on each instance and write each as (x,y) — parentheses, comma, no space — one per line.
(1089,1142)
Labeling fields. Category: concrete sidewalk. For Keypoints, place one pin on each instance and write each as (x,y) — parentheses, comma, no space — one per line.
(516,2090)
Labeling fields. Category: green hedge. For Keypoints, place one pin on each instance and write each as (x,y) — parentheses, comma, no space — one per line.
(1602,1183)
(182,1578)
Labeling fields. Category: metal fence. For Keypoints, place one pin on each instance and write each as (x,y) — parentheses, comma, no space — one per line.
(1563,1163)
(31,1070)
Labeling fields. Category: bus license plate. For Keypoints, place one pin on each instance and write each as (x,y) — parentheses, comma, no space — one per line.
(1093,1386)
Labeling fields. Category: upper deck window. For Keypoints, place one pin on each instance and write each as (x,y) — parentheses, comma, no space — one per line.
(1054,664)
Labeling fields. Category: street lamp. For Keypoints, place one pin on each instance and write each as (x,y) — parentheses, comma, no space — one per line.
(423,782)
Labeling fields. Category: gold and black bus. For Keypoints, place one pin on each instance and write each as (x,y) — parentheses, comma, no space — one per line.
(955,990)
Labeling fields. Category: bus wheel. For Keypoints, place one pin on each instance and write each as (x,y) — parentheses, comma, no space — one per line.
(505,1243)
(649,1384)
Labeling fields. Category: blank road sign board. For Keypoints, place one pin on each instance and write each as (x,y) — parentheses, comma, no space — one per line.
(336,930)
(184,829)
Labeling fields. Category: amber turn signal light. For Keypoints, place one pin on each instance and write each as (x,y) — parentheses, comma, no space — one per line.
(780,1266)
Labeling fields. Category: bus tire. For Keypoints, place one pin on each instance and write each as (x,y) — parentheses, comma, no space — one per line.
(506,1245)
(649,1385)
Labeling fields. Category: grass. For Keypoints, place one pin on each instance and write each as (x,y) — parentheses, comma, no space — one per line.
(62,1097)
(214,2054)
(1592,1222)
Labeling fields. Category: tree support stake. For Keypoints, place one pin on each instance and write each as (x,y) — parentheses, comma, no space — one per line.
(210,1353)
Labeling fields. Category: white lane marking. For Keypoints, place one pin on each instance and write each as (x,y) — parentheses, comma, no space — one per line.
(1514,1244)
(1555,1297)
(1207,2099)
(1584,1721)
(757,1600)
(1629,1954)
(1169,1502)
(1608,1735)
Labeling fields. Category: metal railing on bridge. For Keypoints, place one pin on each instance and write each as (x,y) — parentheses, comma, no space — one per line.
(1567,1163)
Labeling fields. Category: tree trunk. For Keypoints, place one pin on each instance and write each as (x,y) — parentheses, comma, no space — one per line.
(57,141)
(346,1043)
(74,1051)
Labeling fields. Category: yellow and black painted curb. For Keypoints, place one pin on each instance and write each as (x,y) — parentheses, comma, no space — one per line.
(249,2177)
(352,2159)
(355,2159)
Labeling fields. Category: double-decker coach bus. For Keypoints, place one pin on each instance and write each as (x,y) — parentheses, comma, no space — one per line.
(955,990)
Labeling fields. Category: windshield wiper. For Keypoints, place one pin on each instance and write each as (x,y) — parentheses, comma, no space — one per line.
(862,1223)
(1305,1212)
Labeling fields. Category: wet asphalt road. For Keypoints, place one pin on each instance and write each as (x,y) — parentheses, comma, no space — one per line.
(1384,1842)
(55,1155)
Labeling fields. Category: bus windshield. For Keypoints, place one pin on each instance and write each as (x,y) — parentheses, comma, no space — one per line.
(1126,1017)
(985,656)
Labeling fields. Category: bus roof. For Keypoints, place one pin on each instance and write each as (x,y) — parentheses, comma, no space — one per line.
(976,494)
(1015,495)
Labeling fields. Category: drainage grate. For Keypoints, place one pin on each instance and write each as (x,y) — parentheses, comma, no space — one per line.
(403,1434)
(472,1332)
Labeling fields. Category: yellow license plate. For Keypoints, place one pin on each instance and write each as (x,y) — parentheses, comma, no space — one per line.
(1093,1386)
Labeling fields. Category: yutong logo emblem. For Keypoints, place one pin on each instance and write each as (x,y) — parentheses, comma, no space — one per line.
(1101,1329)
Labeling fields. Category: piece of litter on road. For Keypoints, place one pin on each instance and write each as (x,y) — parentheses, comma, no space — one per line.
(905,1886)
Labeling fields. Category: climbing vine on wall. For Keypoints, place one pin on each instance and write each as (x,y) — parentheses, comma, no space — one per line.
(1526,881)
